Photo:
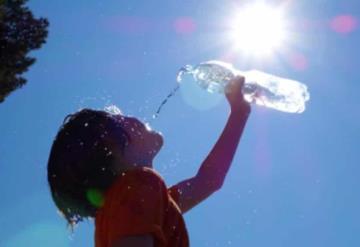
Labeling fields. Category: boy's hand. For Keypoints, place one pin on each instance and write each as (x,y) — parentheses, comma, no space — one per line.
(234,95)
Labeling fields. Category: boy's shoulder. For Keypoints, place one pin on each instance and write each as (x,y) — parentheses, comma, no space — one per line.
(139,178)
(143,174)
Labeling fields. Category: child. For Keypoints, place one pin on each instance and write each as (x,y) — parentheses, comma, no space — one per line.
(100,166)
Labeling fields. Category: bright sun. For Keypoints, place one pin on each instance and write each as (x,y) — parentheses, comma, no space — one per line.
(258,29)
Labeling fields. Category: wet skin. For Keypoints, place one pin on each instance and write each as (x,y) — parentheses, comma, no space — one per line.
(143,143)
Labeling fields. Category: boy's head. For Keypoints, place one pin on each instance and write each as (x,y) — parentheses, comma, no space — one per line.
(90,150)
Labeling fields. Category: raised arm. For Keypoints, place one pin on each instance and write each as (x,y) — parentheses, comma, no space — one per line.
(214,168)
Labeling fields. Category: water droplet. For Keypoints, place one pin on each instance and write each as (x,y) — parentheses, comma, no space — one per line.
(113,109)
(148,127)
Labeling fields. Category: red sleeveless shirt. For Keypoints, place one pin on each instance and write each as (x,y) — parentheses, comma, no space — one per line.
(139,203)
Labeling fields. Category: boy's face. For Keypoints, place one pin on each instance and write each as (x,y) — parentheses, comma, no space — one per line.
(143,143)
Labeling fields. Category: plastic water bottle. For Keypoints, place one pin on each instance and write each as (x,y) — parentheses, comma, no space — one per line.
(260,88)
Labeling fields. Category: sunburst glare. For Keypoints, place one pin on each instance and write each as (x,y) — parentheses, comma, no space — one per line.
(258,29)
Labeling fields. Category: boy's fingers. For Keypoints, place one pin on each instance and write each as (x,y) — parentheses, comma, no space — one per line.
(236,83)
(238,79)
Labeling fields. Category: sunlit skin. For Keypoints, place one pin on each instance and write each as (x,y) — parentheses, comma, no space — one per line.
(144,144)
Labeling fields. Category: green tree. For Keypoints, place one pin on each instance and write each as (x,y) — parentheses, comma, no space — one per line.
(20,33)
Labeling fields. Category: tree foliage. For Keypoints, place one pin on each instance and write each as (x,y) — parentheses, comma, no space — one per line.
(20,33)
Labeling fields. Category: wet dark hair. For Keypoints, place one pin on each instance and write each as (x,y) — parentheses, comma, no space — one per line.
(80,162)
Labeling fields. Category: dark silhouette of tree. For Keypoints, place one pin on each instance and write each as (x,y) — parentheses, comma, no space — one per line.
(20,33)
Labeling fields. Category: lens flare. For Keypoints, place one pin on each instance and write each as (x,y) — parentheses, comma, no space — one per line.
(344,24)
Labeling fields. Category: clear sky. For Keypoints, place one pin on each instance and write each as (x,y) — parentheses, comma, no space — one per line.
(295,178)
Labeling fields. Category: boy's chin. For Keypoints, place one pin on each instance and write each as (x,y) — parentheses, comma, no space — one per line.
(158,142)
(152,153)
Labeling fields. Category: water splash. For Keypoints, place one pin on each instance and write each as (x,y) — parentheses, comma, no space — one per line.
(112,109)
(172,93)
(186,69)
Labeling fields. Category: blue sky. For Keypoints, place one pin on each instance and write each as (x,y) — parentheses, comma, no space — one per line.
(294,179)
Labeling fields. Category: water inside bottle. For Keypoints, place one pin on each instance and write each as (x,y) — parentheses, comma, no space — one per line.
(260,88)
(275,92)
(213,75)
